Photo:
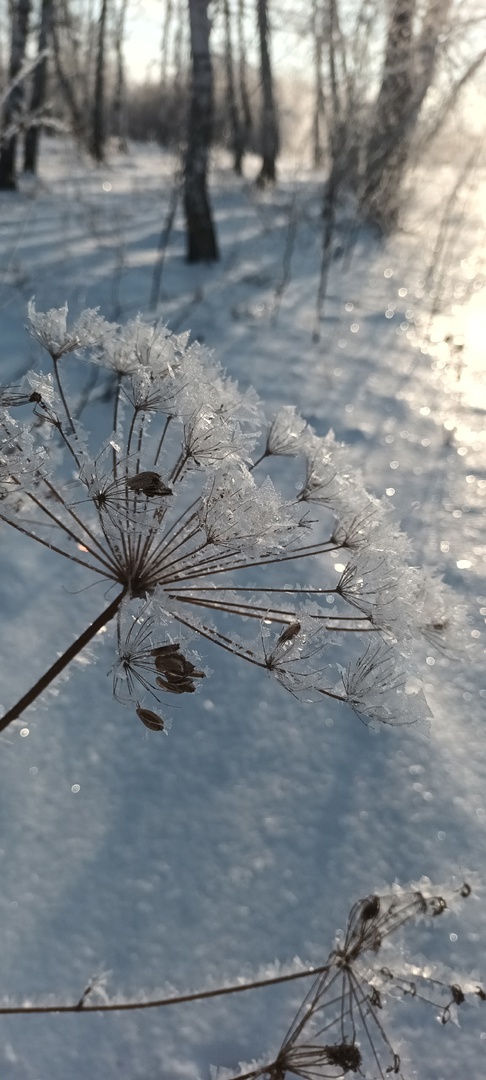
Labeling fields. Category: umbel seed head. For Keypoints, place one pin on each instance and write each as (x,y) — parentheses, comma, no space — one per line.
(183,509)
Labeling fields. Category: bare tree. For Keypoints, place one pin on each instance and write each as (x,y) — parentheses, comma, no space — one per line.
(318,118)
(98,129)
(174,65)
(39,86)
(237,138)
(408,70)
(373,137)
(119,122)
(269,122)
(68,66)
(342,115)
(246,117)
(164,45)
(180,52)
(20,14)
(201,237)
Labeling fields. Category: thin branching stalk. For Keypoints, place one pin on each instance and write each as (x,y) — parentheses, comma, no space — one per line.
(159,1003)
(62,662)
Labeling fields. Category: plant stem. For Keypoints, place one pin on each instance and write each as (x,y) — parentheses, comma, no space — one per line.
(55,363)
(158,1003)
(62,662)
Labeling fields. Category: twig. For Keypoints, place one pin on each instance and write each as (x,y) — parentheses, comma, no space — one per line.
(164,240)
(62,662)
(285,277)
(158,1003)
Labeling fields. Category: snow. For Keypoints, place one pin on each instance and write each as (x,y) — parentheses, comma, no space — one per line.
(244,837)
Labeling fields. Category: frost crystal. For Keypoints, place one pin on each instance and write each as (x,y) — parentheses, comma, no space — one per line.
(285,434)
(235,511)
(176,509)
(50,329)
(377,689)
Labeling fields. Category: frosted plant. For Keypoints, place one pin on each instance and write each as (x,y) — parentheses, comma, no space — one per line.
(177,513)
(339,1028)
(50,329)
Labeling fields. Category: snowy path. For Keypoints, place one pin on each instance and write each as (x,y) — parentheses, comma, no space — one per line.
(245,836)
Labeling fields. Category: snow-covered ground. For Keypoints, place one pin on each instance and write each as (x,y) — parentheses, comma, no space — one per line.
(243,839)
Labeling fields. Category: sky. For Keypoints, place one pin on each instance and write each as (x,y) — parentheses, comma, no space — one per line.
(144,37)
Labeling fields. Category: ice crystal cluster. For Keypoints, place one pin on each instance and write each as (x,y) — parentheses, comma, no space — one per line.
(180,513)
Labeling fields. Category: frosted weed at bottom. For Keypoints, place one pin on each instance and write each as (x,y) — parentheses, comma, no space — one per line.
(341,1025)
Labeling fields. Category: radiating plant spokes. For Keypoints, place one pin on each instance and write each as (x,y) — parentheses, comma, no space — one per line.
(177,510)
(340,1028)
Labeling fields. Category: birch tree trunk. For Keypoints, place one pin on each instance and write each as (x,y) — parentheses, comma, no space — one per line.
(269,124)
(14,101)
(98,129)
(62,67)
(119,121)
(179,80)
(408,71)
(318,118)
(339,132)
(247,124)
(39,86)
(164,46)
(201,238)
(237,143)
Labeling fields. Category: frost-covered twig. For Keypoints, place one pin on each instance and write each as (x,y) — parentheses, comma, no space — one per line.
(155,1003)
(24,73)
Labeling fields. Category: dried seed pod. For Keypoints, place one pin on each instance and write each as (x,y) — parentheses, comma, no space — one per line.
(151,719)
(289,633)
(193,671)
(371,908)
(345,1055)
(457,994)
(437,905)
(171,666)
(11,396)
(149,484)
(165,650)
(181,686)
(176,671)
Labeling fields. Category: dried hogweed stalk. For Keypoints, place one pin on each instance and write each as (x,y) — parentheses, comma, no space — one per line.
(339,1028)
(177,510)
